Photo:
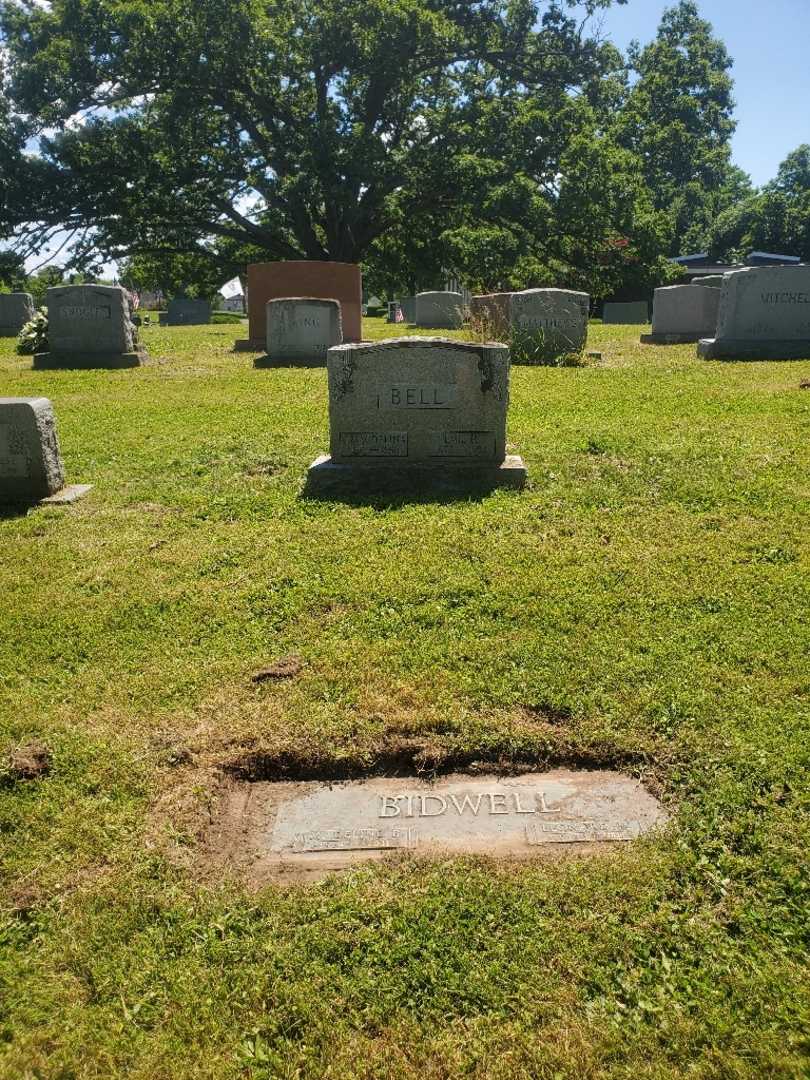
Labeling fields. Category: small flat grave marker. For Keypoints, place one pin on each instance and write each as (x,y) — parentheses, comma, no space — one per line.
(313,827)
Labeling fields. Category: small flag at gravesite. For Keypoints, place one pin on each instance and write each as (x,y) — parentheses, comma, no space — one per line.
(399,317)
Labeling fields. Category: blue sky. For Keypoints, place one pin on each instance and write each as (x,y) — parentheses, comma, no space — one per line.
(769,41)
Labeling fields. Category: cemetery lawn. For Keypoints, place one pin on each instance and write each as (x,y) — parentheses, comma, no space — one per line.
(644,605)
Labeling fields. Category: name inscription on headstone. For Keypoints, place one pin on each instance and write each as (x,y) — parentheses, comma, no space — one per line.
(13,458)
(343,823)
(75,311)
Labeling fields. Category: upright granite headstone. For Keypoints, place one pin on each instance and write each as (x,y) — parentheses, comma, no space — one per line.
(185,312)
(89,326)
(31,468)
(16,309)
(764,315)
(440,310)
(539,323)
(320,280)
(683,314)
(635,313)
(301,330)
(427,407)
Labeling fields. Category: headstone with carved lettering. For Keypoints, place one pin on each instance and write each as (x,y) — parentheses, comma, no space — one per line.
(31,468)
(301,330)
(440,310)
(764,315)
(683,314)
(90,326)
(539,324)
(16,309)
(311,828)
(427,407)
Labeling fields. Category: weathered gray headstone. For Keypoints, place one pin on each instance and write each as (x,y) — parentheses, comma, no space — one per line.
(185,312)
(31,468)
(393,308)
(309,828)
(764,315)
(89,326)
(440,310)
(302,330)
(634,313)
(683,314)
(424,405)
(16,309)
(538,323)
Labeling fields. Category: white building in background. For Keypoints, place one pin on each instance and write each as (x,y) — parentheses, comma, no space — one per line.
(233,297)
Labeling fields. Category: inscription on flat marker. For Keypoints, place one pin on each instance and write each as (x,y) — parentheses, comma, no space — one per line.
(312,826)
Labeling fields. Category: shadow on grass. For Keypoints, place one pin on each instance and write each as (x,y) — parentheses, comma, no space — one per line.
(393,491)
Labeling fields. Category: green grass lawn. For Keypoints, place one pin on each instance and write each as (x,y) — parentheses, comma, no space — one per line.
(644,604)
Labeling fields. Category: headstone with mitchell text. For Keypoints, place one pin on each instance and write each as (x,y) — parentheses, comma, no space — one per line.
(90,326)
(16,309)
(301,330)
(683,314)
(31,469)
(440,310)
(764,315)
(539,324)
(428,407)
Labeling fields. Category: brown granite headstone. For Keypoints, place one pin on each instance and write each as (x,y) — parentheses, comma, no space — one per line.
(316,280)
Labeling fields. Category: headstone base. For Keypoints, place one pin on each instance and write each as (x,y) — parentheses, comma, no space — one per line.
(87,361)
(720,349)
(70,493)
(250,345)
(325,474)
(289,361)
(669,339)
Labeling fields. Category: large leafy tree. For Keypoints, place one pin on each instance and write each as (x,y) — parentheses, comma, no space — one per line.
(299,128)
(678,120)
(777,218)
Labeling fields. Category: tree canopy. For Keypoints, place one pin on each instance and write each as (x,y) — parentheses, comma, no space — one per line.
(501,141)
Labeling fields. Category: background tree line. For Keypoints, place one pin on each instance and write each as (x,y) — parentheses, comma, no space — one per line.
(503,142)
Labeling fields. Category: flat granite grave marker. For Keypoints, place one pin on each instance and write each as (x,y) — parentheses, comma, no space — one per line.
(312,827)
(16,309)
(440,310)
(186,312)
(89,326)
(764,315)
(301,330)
(430,407)
(683,314)
(633,313)
(31,468)
(539,323)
